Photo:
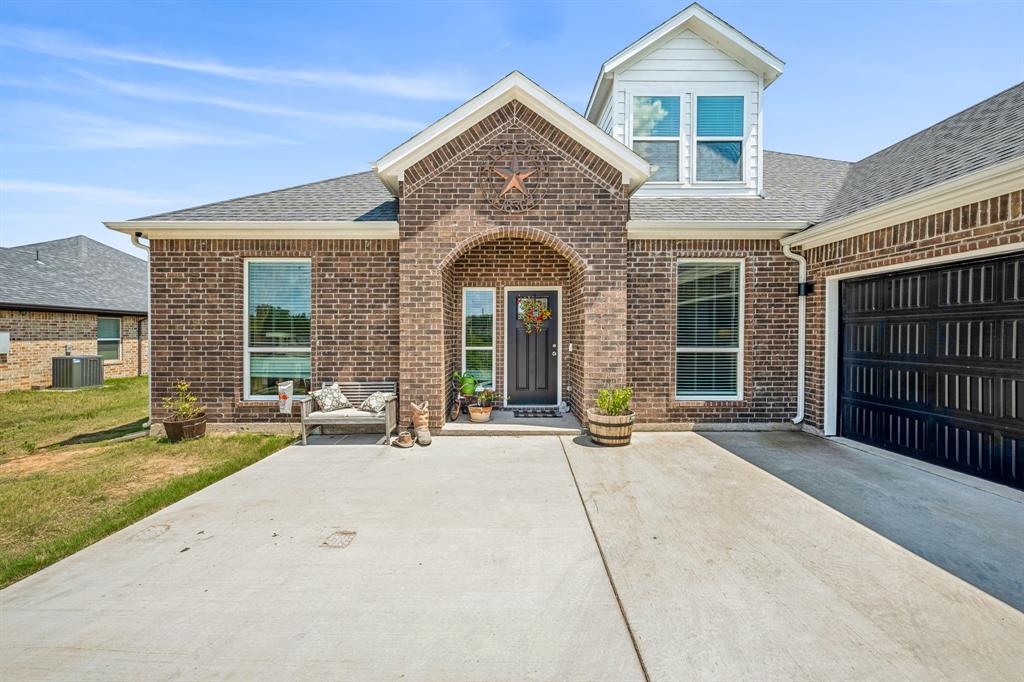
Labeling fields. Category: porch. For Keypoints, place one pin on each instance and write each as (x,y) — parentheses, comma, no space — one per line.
(504,423)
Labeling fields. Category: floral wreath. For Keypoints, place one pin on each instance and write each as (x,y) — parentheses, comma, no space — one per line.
(533,313)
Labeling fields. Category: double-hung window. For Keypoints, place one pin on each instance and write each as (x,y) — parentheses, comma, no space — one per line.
(478,334)
(709,330)
(719,141)
(656,135)
(278,312)
(108,338)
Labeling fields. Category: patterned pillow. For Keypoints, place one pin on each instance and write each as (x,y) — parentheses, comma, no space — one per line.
(376,402)
(330,398)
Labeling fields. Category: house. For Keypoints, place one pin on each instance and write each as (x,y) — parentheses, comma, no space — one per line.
(71,296)
(731,286)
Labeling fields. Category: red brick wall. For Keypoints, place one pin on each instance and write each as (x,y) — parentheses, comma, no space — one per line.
(994,222)
(198,308)
(446,207)
(38,336)
(769,339)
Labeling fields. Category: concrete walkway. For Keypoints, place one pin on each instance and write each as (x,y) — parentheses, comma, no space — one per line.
(470,560)
(728,573)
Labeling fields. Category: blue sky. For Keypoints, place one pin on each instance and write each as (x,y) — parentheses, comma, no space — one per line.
(112,111)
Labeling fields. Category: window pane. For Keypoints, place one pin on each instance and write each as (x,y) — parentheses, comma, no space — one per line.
(108,328)
(720,116)
(708,305)
(655,117)
(718,161)
(266,370)
(663,157)
(706,374)
(109,350)
(279,304)
(479,312)
(479,363)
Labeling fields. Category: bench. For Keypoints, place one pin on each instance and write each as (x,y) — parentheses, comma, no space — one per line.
(356,392)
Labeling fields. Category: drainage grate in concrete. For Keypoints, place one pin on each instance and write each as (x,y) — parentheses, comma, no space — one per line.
(340,539)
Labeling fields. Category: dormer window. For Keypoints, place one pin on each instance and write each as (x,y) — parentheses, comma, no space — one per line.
(719,140)
(656,135)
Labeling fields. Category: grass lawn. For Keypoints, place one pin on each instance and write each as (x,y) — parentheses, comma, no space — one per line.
(66,483)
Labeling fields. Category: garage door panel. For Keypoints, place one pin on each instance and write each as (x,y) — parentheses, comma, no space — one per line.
(932,365)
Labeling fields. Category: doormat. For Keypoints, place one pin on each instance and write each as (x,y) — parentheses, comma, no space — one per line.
(535,412)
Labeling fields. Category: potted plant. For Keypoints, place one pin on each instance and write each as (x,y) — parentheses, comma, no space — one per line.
(611,422)
(481,412)
(186,418)
(465,383)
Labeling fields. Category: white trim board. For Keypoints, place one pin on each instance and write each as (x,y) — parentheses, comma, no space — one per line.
(258,229)
(712,229)
(504,342)
(830,361)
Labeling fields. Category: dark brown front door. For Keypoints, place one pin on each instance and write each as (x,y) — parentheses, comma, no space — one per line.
(532,358)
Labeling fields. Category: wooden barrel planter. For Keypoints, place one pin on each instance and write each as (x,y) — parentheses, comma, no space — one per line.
(610,430)
(183,430)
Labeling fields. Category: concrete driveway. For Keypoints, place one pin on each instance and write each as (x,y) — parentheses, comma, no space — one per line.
(494,559)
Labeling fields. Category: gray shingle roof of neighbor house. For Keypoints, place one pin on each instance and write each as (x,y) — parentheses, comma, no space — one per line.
(76,273)
(980,136)
(796,189)
(359,197)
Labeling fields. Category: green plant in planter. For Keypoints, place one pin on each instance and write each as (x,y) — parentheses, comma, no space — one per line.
(614,401)
(183,405)
(485,398)
(467,383)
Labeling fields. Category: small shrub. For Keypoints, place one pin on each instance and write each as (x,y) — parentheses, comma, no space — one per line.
(614,401)
(183,405)
(485,398)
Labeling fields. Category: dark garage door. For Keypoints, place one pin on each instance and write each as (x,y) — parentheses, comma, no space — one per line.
(932,365)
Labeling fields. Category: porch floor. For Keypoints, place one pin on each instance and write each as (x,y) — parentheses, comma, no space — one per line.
(504,423)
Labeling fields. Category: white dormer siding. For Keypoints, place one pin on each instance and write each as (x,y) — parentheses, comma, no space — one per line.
(686,66)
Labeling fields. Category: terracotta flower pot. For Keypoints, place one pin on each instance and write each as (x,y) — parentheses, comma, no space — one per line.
(480,413)
(612,430)
(185,429)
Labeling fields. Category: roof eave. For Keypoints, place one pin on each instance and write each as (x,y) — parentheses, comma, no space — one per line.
(258,229)
(713,229)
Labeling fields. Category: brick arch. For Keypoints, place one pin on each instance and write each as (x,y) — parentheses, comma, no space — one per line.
(532,234)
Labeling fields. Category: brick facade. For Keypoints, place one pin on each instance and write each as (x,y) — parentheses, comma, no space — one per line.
(38,336)
(994,222)
(769,338)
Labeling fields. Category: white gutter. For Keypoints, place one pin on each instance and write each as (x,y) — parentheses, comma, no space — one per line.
(149,327)
(801,334)
(258,229)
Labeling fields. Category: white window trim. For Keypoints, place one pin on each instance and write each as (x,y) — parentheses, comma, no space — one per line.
(119,339)
(743,139)
(741,338)
(494,331)
(680,139)
(245,326)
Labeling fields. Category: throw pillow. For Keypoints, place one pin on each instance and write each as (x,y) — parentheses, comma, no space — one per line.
(376,402)
(330,398)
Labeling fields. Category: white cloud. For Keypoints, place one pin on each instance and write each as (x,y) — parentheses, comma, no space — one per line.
(426,86)
(87,193)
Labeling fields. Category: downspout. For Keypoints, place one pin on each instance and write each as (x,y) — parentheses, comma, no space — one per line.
(803,288)
(149,328)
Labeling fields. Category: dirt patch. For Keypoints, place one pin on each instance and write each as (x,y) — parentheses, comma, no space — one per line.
(57,460)
(154,472)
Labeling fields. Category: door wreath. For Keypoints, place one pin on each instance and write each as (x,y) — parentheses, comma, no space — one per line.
(533,313)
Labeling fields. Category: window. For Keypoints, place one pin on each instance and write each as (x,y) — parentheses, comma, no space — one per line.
(478,334)
(108,338)
(709,330)
(656,135)
(719,150)
(277,326)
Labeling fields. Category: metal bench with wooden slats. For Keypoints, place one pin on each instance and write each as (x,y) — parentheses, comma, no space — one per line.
(356,392)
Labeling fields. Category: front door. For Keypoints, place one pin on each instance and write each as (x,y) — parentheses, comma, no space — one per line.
(532,358)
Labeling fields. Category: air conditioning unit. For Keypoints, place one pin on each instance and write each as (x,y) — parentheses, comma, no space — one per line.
(77,371)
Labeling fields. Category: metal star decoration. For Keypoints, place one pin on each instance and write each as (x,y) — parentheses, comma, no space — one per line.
(511,165)
(513,175)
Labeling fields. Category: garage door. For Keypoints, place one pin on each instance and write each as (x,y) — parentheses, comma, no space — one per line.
(932,365)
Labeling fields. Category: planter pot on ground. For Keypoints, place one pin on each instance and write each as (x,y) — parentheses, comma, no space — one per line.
(189,428)
(478,413)
(608,429)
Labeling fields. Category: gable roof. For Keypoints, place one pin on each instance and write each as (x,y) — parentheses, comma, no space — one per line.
(514,86)
(706,25)
(76,273)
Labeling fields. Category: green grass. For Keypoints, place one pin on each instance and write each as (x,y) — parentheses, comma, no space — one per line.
(77,486)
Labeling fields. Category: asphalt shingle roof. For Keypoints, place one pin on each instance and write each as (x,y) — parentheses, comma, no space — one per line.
(361,197)
(76,273)
(796,188)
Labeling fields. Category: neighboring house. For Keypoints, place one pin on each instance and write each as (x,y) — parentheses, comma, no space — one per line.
(70,296)
(669,246)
